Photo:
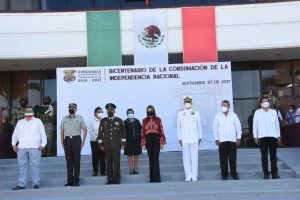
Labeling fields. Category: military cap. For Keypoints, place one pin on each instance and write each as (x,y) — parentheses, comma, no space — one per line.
(187,98)
(74,105)
(110,106)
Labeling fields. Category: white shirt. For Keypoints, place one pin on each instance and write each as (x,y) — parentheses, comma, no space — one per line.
(189,128)
(227,128)
(265,124)
(29,134)
(94,128)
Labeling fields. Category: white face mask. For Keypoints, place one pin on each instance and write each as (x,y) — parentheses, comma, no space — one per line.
(130,116)
(224,109)
(99,115)
(291,110)
(187,105)
(265,104)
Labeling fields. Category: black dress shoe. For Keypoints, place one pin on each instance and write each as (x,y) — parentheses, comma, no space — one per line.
(103,173)
(36,187)
(117,182)
(224,178)
(135,172)
(76,184)
(109,182)
(266,176)
(18,188)
(69,184)
(236,177)
(275,176)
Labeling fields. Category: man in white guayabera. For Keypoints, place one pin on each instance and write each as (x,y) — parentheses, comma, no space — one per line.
(30,133)
(189,133)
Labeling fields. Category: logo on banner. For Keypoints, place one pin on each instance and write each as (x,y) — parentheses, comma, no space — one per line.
(69,75)
(151,37)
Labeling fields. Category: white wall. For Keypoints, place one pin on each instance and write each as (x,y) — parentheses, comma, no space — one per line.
(42,35)
(240,27)
(258,26)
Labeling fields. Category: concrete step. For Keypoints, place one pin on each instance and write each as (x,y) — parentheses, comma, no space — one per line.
(202,153)
(59,180)
(144,161)
(12,172)
(243,189)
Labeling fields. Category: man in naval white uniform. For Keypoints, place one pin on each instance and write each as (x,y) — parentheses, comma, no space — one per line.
(189,134)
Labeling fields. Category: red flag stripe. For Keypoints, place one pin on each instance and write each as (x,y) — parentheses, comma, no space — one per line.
(199,35)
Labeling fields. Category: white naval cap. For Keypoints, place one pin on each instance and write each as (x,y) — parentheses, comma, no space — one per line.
(187,98)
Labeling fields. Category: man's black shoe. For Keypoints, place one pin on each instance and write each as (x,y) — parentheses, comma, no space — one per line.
(116,182)
(18,188)
(224,178)
(266,177)
(76,184)
(69,184)
(36,187)
(236,177)
(275,177)
(109,182)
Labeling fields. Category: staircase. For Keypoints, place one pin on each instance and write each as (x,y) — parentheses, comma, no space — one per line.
(210,186)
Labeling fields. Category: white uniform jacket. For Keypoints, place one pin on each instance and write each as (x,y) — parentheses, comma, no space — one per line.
(189,128)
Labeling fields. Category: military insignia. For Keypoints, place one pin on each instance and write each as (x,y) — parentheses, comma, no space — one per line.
(192,113)
(151,37)
(69,75)
(117,123)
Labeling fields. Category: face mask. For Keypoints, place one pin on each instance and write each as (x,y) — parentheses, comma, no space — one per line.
(110,113)
(28,114)
(265,104)
(187,105)
(151,113)
(130,116)
(72,111)
(99,115)
(291,110)
(224,109)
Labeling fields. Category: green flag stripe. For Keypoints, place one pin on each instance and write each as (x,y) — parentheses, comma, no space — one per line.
(104,38)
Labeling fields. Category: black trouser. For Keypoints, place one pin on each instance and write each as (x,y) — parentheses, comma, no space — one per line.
(268,144)
(72,148)
(153,149)
(227,150)
(98,155)
(113,164)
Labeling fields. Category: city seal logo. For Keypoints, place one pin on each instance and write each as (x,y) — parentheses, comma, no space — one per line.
(151,37)
(69,75)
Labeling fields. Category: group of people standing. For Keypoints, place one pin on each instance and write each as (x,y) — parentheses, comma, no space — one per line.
(108,135)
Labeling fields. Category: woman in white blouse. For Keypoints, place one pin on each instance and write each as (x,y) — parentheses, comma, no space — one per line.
(98,155)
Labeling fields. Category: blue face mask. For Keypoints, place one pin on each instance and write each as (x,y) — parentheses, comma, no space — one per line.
(130,116)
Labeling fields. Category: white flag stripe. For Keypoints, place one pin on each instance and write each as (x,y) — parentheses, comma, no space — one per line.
(151,43)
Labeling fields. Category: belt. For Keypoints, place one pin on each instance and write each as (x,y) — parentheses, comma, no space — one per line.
(74,136)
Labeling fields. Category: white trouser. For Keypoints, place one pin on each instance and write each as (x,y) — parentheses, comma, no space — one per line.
(190,160)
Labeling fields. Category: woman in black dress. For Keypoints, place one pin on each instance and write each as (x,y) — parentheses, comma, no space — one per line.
(133,147)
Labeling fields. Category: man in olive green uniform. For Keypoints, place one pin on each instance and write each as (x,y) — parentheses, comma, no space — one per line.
(19,114)
(71,127)
(46,114)
(111,140)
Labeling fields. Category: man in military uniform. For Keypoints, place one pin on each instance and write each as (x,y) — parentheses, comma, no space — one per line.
(72,143)
(189,133)
(46,114)
(19,113)
(111,140)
